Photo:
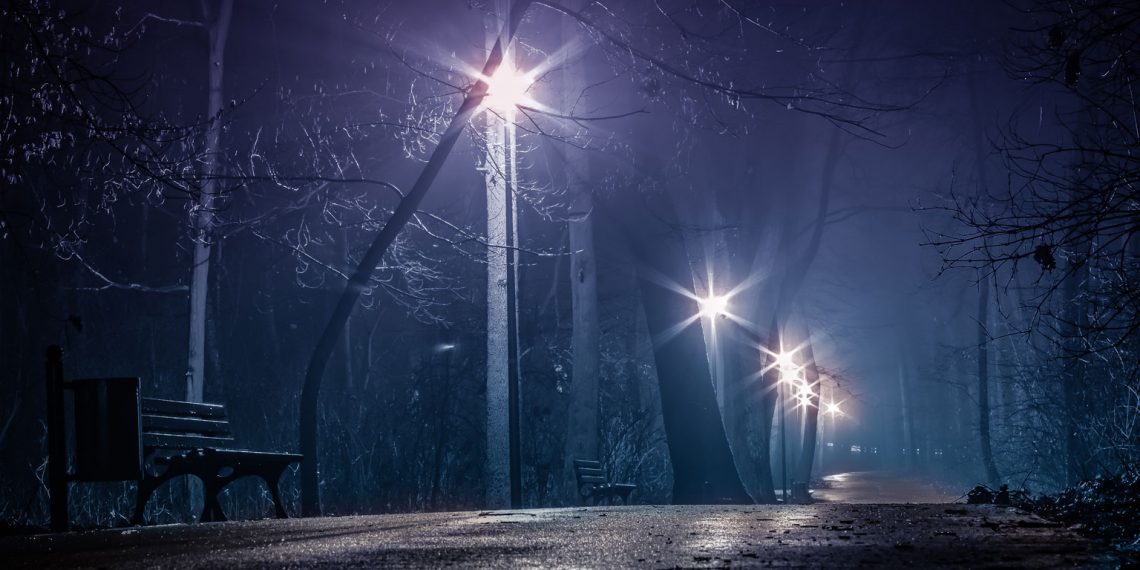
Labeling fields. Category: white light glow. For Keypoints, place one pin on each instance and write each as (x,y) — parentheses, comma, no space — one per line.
(834,409)
(717,305)
(508,89)
(786,361)
(783,361)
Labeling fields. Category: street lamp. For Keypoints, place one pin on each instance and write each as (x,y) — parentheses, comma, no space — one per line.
(716,305)
(833,409)
(710,308)
(785,364)
(507,89)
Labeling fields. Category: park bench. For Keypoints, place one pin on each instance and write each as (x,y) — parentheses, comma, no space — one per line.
(595,488)
(120,436)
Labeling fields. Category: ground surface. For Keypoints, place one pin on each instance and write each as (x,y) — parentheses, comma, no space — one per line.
(877,487)
(821,535)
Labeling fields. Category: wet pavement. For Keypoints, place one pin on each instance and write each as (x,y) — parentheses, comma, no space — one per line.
(881,487)
(824,535)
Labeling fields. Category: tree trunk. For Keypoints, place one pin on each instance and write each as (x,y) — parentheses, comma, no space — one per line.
(906,405)
(346,346)
(1073,377)
(203,211)
(582,431)
(984,382)
(310,392)
(444,355)
(751,400)
(582,428)
(983,306)
(748,409)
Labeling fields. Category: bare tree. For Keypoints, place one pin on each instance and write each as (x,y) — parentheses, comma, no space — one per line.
(310,478)
(1065,227)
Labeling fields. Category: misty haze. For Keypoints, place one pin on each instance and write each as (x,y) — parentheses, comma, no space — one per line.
(502,283)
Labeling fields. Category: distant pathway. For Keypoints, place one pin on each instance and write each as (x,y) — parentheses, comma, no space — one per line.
(824,535)
(865,487)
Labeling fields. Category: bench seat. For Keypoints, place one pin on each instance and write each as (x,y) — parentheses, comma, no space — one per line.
(216,468)
(594,487)
(106,431)
(192,438)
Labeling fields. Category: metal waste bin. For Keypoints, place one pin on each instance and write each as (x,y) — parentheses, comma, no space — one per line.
(108,438)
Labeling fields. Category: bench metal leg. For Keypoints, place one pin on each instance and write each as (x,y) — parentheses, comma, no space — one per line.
(212,509)
(273,483)
(142,495)
(145,488)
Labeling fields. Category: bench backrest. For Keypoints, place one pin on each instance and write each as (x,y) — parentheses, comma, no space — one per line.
(589,472)
(171,424)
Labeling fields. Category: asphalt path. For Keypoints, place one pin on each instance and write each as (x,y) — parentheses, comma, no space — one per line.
(882,487)
(821,535)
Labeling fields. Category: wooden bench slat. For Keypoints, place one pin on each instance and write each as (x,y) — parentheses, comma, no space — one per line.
(182,441)
(591,471)
(168,424)
(592,479)
(588,463)
(175,408)
(260,456)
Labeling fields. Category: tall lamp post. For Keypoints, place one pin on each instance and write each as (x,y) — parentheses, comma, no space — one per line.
(783,440)
(506,90)
(790,374)
(784,363)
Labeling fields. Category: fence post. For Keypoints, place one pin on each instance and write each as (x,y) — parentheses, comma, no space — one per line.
(57,440)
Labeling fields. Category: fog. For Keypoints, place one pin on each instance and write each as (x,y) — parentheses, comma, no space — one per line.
(720,247)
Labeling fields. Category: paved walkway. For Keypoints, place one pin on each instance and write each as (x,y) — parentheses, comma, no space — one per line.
(865,487)
(825,535)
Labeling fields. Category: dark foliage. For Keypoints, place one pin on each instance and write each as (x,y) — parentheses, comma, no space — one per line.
(1104,507)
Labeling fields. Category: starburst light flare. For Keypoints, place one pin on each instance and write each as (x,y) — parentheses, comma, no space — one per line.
(508,89)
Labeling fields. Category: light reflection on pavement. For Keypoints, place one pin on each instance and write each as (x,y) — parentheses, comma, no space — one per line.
(824,535)
(880,487)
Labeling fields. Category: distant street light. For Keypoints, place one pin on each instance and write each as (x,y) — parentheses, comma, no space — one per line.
(785,364)
(833,409)
(784,361)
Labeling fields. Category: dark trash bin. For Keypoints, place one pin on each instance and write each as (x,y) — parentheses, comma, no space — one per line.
(108,440)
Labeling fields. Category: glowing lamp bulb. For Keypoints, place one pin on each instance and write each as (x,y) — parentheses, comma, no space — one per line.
(507,89)
(713,306)
(785,361)
(834,409)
